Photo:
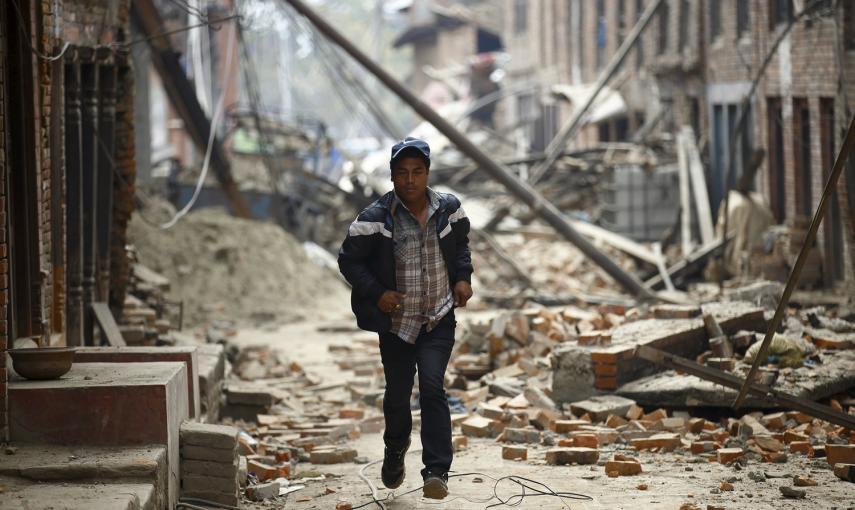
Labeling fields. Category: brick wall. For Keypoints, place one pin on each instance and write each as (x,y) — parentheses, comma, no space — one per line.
(805,67)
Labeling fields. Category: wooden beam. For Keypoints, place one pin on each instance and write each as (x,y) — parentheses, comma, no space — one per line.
(731,381)
(699,186)
(685,200)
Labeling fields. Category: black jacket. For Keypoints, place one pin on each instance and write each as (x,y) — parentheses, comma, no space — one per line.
(367,258)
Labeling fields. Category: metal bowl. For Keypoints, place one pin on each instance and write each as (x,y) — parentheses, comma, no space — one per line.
(42,364)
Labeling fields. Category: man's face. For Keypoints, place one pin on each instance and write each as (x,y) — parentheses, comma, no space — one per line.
(410,178)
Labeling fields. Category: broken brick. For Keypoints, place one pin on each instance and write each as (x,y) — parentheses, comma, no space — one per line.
(769,443)
(261,470)
(840,453)
(614,421)
(478,426)
(696,425)
(513,435)
(459,442)
(544,419)
(635,412)
(564,426)
(262,491)
(514,453)
(702,447)
(574,455)
(804,481)
(664,442)
(774,421)
(659,414)
(352,413)
(790,436)
(623,468)
(491,412)
(845,472)
(585,440)
(728,455)
(334,455)
(803,447)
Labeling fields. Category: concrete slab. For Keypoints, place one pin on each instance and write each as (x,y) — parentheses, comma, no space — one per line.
(20,494)
(186,355)
(105,404)
(581,371)
(836,374)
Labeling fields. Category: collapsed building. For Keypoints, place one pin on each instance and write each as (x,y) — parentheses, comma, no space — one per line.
(133,423)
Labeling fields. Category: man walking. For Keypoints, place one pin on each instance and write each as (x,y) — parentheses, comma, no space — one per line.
(407,258)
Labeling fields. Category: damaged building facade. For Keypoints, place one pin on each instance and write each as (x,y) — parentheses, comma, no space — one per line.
(66,169)
(693,66)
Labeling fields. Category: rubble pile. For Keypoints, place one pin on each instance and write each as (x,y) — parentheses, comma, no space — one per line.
(581,432)
(288,416)
(212,258)
(543,262)
(147,316)
(526,337)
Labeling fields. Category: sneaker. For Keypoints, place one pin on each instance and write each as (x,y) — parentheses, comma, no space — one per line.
(436,485)
(393,470)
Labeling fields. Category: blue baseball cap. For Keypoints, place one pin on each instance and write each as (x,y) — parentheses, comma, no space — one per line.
(410,146)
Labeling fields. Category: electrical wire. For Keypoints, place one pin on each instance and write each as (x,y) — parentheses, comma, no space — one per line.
(525,486)
(26,37)
(165,33)
(215,120)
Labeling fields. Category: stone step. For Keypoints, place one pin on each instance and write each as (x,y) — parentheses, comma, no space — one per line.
(143,468)
(21,494)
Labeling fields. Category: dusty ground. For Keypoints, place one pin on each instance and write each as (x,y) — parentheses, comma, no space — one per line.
(672,479)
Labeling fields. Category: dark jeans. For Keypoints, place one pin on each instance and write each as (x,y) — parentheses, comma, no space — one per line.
(430,354)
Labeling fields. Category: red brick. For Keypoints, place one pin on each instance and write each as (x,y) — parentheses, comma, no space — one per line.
(562,456)
(261,470)
(662,442)
(840,453)
(845,472)
(803,447)
(586,440)
(514,453)
(623,468)
(728,455)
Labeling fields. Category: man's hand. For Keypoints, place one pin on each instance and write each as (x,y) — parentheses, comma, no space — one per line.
(462,293)
(391,301)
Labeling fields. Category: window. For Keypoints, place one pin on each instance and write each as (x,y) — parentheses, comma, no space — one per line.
(743,18)
(715,20)
(621,21)
(685,11)
(833,269)
(780,12)
(520,16)
(601,33)
(662,36)
(777,172)
(802,156)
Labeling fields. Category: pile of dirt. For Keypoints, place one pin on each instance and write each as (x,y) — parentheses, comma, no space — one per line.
(224,267)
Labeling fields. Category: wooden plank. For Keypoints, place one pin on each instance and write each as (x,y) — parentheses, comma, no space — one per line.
(108,324)
(699,186)
(660,265)
(685,199)
(618,241)
(687,263)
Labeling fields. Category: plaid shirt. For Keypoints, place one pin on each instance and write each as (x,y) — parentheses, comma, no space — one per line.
(420,271)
